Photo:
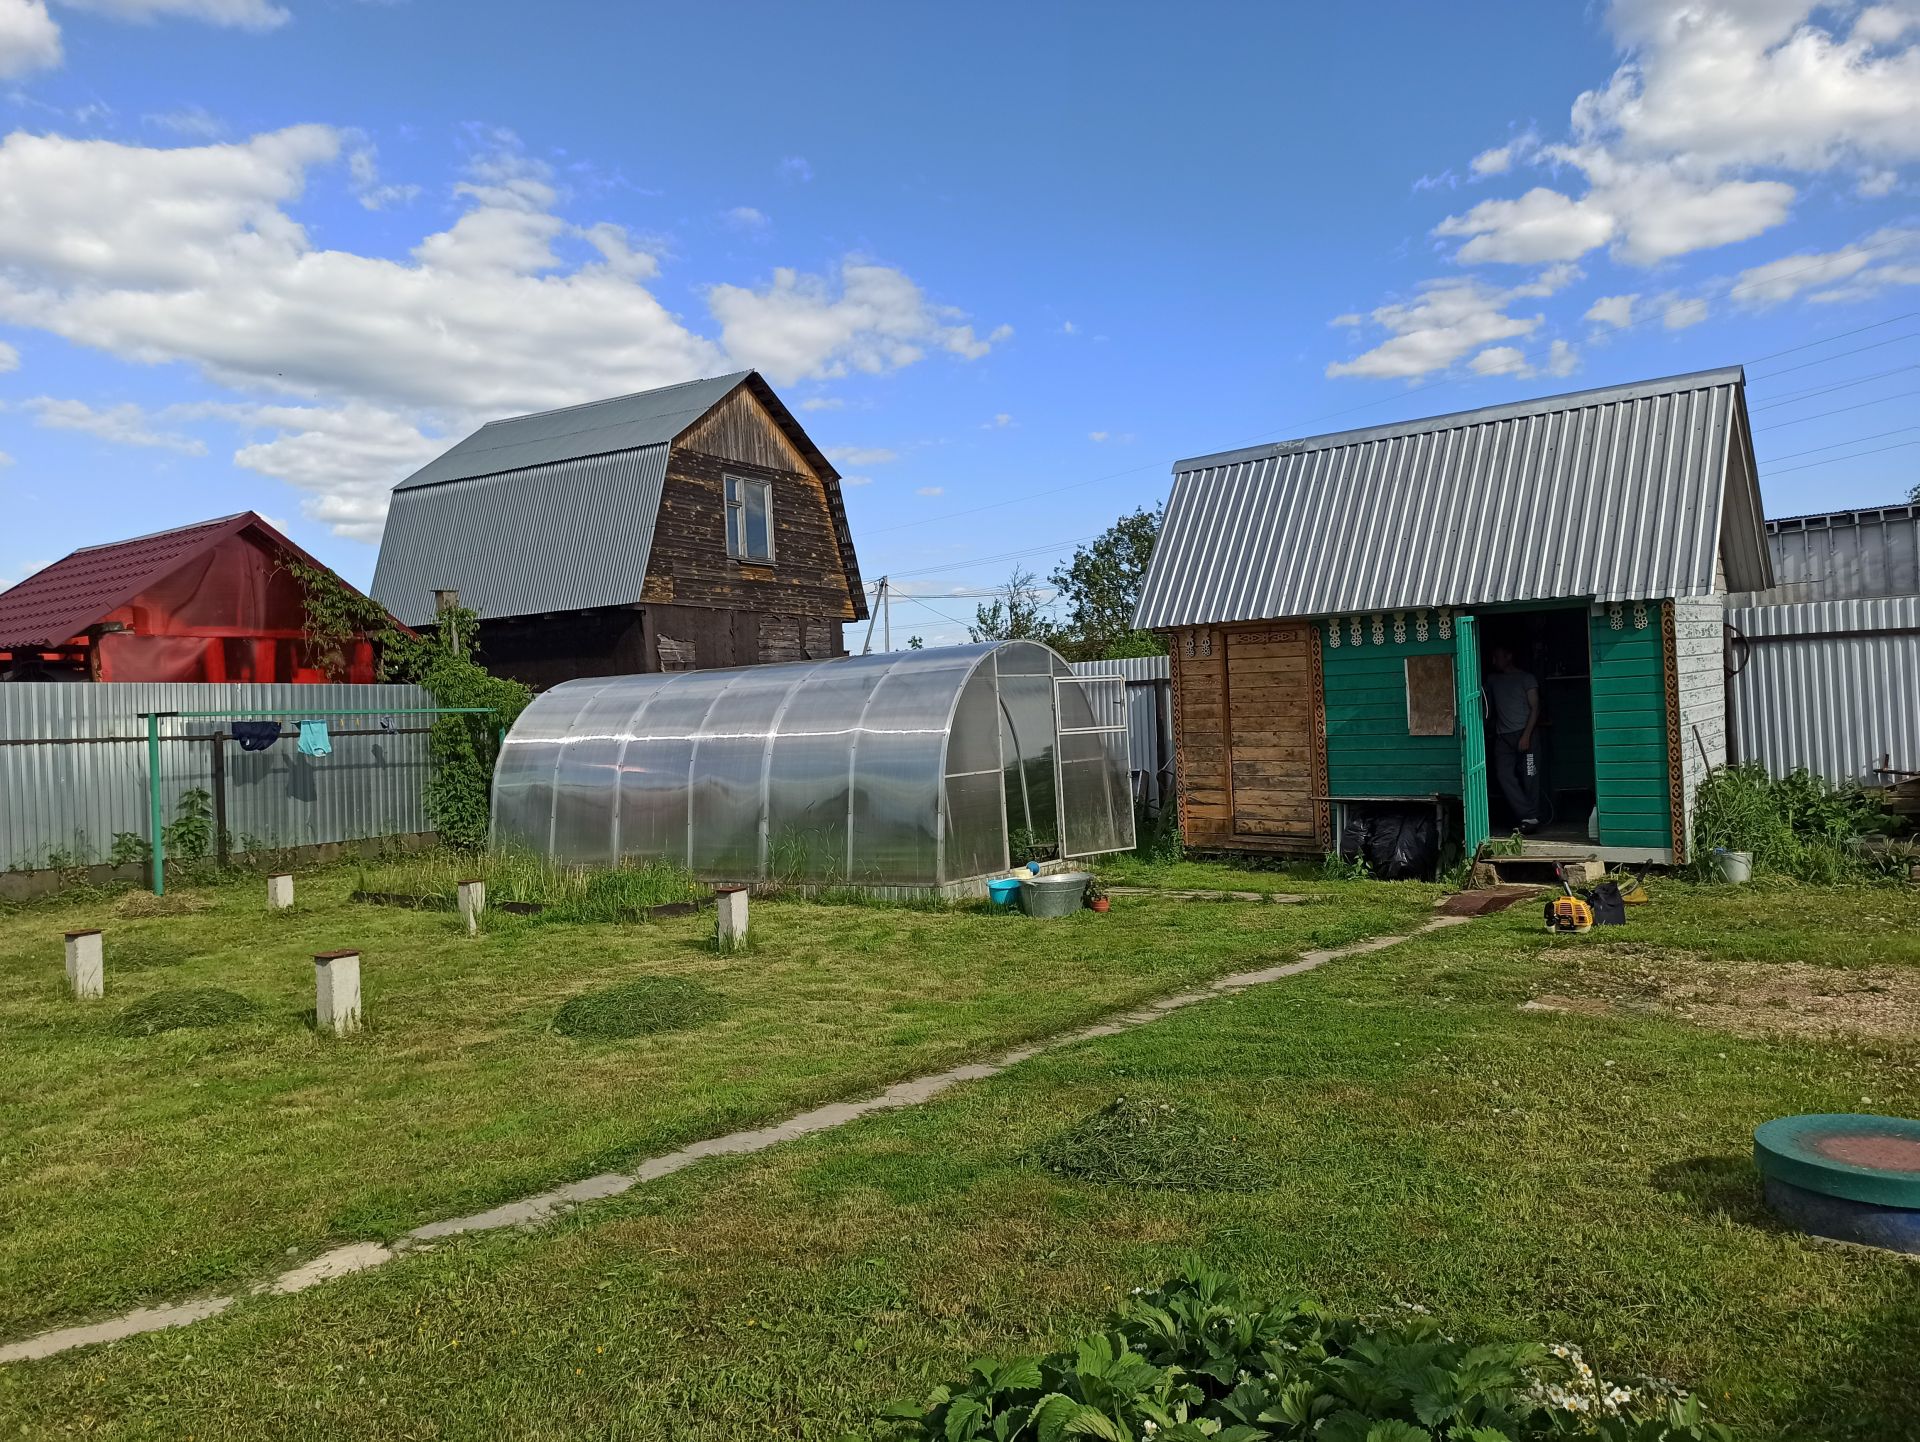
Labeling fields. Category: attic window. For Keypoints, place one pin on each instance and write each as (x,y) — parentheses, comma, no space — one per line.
(749,519)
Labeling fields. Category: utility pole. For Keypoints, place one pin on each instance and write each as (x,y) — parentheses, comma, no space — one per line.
(879,600)
(886,600)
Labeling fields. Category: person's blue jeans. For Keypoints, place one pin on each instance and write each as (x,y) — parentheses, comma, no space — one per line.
(1520,791)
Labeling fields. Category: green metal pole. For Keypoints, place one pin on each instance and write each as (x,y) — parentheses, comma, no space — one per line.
(156,833)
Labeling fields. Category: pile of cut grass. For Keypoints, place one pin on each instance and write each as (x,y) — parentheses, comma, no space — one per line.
(638,1008)
(1152,1143)
(184,1006)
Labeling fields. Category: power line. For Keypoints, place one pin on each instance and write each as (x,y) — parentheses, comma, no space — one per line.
(1837,355)
(1838,335)
(1835,460)
(1840,410)
(1813,391)
(1851,441)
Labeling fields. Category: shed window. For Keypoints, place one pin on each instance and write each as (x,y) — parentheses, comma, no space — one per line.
(749,519)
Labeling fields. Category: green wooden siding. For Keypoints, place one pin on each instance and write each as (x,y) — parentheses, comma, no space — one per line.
(1369,752)
(1630,732)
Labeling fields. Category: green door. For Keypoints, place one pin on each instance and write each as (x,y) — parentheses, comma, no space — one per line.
(1473,735)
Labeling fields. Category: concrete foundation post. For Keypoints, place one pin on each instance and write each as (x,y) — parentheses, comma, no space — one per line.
(336,992)
(473,901)
(730,902)
(279,892)
(86,965)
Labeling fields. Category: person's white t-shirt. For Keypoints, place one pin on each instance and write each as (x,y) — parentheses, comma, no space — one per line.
(1507,693)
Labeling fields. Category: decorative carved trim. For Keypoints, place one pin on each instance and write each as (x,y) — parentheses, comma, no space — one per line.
(1420,625)
(1399,628)
(1446,623)
(1639,615)
(1322,809)
(1354,631)
(1379,629)
(1676,755)
(1333,632)
(1616,617)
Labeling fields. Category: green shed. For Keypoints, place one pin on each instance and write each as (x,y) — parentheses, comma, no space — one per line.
(1502,611)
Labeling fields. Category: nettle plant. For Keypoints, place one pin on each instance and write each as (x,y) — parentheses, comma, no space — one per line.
(1193,1360)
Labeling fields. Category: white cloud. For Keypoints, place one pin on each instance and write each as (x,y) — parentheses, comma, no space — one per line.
(195,255)
(1067,327)
(244,14)
(195,121)
(823,403)
(1001,421)
(931,491)
(9,358)
(1780,280)
(796,169)
(1541,225)
(806,327)
(1874,184)
(363,171)
(29,40)
(1097,436)
(1500,360)
(1351,317)
(1562,359)
(745,217)
(1612,310)
(1446,320)
(856,480)
(861,455)
(5,460)
(1681,313)
(1707,93)
(124,425)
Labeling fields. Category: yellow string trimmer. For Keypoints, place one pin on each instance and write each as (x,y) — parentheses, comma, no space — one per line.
(1568,913)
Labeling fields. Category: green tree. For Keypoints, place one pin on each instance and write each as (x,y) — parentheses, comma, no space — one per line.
(1017,613)
(1101,586)
(1913,496)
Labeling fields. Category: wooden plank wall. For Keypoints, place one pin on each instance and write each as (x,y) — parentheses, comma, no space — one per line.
(1632,744)
(1247,738)
(802,596)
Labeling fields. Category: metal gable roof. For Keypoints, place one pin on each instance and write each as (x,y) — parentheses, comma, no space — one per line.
(54,605)
(556,511)
(1625,492)
(622,423)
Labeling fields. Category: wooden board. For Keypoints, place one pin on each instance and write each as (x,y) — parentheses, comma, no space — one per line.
(1432,704)
(1271,733)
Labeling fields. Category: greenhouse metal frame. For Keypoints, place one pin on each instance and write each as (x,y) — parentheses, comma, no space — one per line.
(924,770)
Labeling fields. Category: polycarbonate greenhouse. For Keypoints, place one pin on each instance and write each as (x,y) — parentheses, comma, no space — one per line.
(924,768)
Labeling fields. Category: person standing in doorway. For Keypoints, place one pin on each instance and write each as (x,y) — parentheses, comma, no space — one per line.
(1513,695)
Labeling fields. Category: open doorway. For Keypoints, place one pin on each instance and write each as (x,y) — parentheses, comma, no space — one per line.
(1547,648)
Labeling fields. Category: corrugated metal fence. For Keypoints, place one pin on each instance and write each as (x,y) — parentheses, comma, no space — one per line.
(70,792)
(1833,686)
(1149,719)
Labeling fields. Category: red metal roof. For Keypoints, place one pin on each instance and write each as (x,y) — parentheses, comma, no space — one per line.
(53,606)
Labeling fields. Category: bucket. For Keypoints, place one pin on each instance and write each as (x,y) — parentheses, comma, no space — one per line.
(1061,895)
(1002,892)
(1735,866)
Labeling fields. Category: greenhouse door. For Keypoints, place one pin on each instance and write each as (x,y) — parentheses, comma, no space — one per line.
(1096,804)
(1473,736)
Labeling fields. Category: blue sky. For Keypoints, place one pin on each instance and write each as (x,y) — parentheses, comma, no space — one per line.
(1008,262)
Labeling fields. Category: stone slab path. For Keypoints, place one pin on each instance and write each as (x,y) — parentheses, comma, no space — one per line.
(1277,898)
(533,1210)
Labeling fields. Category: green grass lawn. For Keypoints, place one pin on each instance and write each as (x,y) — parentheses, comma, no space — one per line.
(1576,1171)
(140,1167)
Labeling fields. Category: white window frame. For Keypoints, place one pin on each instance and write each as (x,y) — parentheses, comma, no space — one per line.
(734,491)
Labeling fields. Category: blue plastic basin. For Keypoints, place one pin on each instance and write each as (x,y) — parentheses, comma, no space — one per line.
(1003,892)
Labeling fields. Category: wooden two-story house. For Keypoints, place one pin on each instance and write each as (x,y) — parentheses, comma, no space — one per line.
(687,527)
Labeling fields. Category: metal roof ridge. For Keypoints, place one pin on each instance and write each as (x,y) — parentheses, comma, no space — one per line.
(151,536)
(528,466)
(1483,415)
(735,376)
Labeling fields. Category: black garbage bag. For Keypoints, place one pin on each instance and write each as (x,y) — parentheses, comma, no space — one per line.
(1356,836)
(1609,909)
(1404,846)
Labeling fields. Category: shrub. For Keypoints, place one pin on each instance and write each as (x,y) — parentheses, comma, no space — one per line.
(639,1008)
(1148,1142)
(1798,826)
(186,1006)
(1193,1360)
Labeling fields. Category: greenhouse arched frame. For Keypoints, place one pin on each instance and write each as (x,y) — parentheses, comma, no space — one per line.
(924,769)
